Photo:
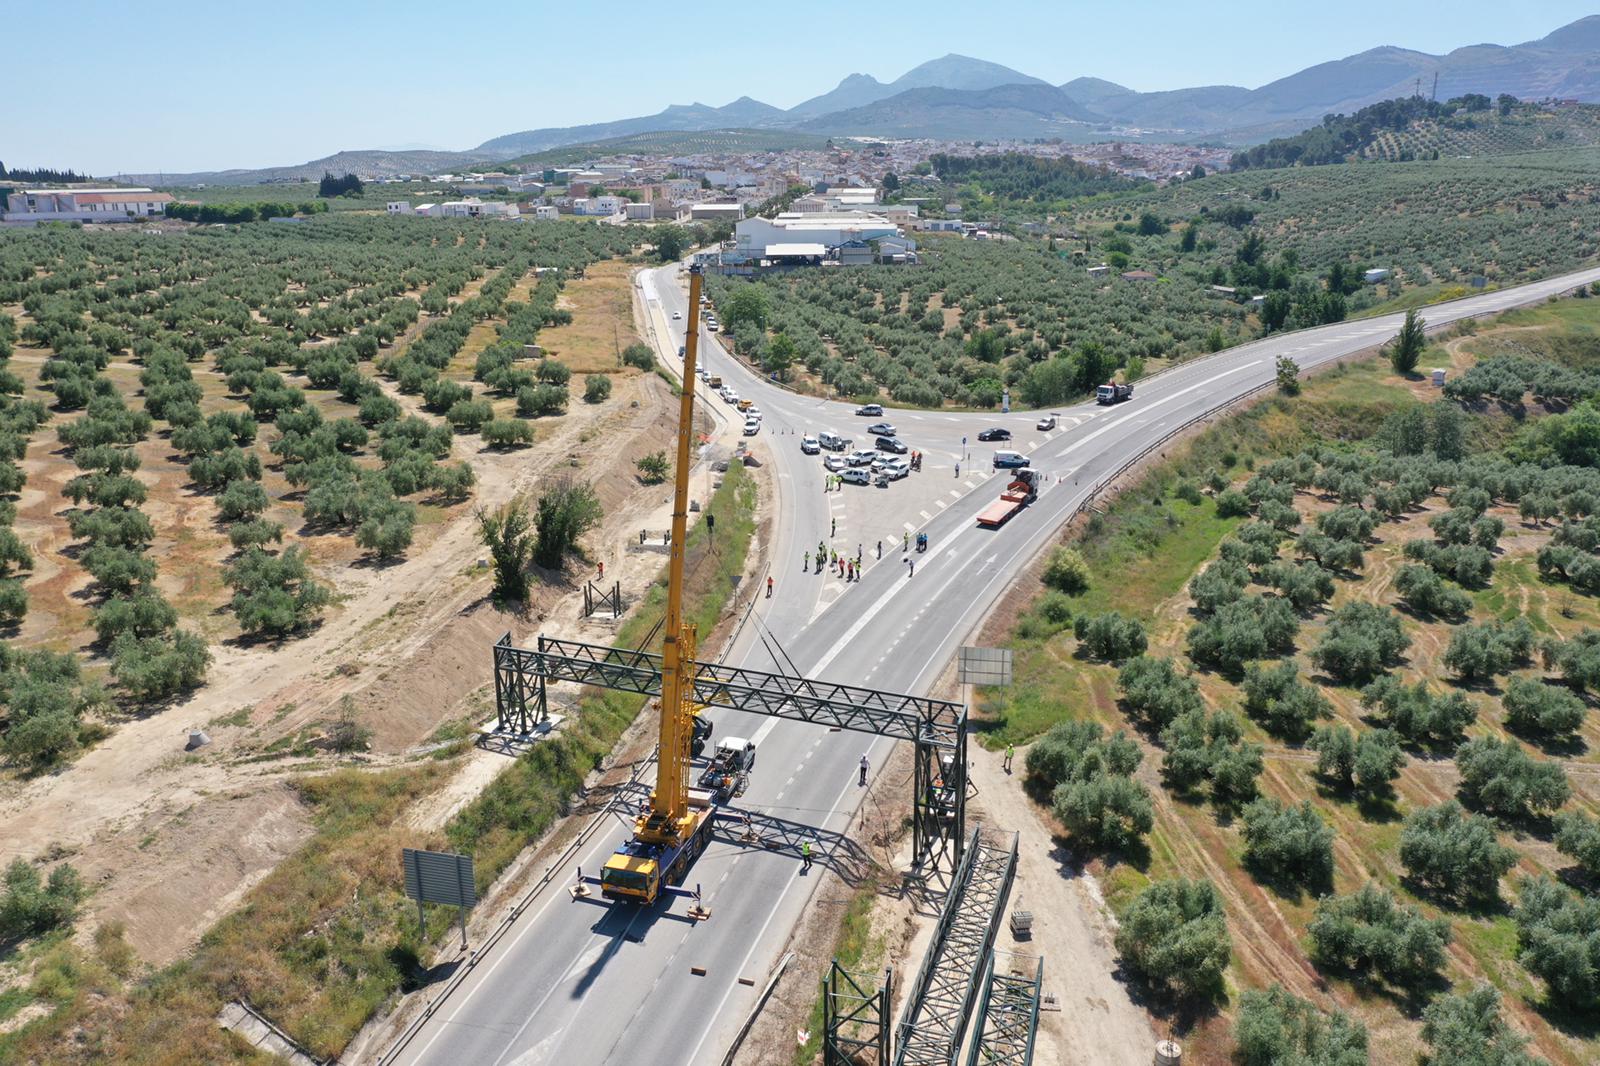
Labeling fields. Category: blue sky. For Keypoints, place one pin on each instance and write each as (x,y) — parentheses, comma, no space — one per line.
(208,86)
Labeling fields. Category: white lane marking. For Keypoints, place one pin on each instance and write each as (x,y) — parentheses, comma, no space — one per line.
(925,516)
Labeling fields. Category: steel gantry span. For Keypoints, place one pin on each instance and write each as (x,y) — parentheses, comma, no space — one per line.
(937,1008)
(1008,1016)
(938,728)
(855,1018)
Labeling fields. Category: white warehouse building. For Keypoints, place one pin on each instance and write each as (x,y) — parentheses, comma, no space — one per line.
(829,230)
(84,204)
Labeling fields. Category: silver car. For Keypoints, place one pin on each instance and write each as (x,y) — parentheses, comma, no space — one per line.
(856,476)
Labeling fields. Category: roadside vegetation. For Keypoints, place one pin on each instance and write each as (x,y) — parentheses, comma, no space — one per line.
(1321,712)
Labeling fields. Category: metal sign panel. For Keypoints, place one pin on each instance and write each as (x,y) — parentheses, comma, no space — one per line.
(439,877)
(985,666)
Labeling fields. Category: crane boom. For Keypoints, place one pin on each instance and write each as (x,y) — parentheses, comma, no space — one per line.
(668,819)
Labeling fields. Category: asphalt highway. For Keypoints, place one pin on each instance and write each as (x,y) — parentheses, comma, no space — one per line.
(580,982)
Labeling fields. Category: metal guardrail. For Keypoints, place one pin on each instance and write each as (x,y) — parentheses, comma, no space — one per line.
(561,864)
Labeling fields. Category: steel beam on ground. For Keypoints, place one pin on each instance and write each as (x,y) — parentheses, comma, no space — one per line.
(934,1021)
(1008,1016)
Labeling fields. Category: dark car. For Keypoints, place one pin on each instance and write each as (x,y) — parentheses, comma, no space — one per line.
(995,434)
(892,444)
(881,429)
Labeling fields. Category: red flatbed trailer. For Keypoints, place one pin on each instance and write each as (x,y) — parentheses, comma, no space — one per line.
(1021,492)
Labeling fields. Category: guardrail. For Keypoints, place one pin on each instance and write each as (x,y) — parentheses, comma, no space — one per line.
(563,862)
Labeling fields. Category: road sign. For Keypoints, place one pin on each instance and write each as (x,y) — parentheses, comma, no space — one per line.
(985,666)
(440,877)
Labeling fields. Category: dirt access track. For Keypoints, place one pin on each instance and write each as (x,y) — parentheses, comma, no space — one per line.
(171,841)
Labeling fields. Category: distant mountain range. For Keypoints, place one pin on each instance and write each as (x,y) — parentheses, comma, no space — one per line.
(961,98)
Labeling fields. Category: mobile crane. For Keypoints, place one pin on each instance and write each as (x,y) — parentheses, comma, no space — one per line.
(675,825)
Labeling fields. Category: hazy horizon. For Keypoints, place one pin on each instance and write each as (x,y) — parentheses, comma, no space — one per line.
(220,89)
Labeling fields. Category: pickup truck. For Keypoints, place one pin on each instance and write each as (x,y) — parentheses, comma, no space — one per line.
(1022,491)
(1112,392)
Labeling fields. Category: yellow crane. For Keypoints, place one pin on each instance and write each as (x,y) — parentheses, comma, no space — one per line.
(674,827)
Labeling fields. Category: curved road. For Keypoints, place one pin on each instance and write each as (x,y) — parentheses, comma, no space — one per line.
(576,983)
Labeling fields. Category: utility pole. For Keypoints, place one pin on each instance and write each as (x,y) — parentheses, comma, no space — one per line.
(1435,97)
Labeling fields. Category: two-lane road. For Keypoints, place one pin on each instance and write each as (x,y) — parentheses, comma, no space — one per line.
(578,983)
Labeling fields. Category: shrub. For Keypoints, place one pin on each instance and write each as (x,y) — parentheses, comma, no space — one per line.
(469,415)
(1367,932)
(1277,1028)
(596,388)
(255,533)
(1499,777)
(506,432)
(144,614)
(117,569)
(155,667)
(1066,572)
(45,700)
(1478,653)
(1109,637)
(1288,844)
(32,905)
(1559,935)
(346,734)
(509,537)
(1535,707)
(1467,1030)
(1335,746)
(1578,836)
(1232,504)
(554,372)
(653,468)
(274,594)
(1454,854)
(241,501)
(639,355)
(387,530)
(1416,714)
(1210,747)
(1104,811)
(1284,705)
(1250,628)
(1175,936)
(541,400)
(1155,693)
(1076,751)
(1361,641)
(566,511)
(1378,761)
(1577,660)
(1218,585)
(1304,585)
(1421,590)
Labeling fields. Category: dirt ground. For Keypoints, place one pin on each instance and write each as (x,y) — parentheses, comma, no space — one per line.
(170,840)
(599,302)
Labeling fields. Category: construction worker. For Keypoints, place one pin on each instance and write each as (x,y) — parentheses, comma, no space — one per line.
(912,567)
(1010,751)
(880,549)
(852,574)
(805,562)
(958,470)
(805,855)
(905,542)
(601,567)
(835,532)
(864,765)
(769,586)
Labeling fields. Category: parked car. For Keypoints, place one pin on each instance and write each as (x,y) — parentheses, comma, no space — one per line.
(995,433)
(711,327)
(856,476)
(892,444)
(834,463)
(1048,422)
(752,426)
(809,445)
(1009,460)
(896,468)
(833,442)
(881,429)
(676,315)
(871,410)
(861,458)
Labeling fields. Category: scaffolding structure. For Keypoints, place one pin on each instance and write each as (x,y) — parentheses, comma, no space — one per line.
(938,728)
(934,1021)
(855,1018)
(1008,1015)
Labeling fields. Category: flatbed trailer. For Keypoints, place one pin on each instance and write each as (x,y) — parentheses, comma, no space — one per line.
(1021,492)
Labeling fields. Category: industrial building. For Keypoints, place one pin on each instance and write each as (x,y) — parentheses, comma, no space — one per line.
(640,212)
(756,235)
(85,205)
(716,212)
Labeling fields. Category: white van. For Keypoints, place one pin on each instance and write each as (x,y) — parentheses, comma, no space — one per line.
(832,441)
(1009,460)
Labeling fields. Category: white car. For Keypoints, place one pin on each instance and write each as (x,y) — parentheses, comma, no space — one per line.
(752,426)
(834,463)
(676,315)
(861,458)
(856,476)
(753,412)
(730,396)
(896,468)
(809,445)
(1048,422)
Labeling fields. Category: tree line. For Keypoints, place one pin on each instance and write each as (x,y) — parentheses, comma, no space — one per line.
(242,212)
(1016,176)
(1340,136)
(349,185)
